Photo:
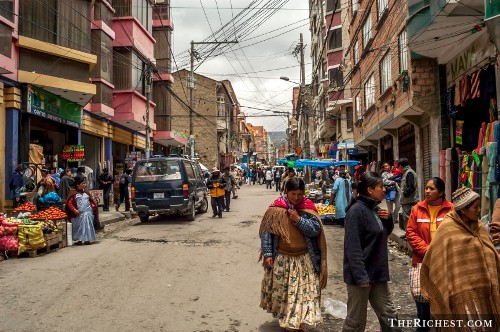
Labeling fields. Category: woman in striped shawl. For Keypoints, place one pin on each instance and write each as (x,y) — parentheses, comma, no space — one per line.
(460,271)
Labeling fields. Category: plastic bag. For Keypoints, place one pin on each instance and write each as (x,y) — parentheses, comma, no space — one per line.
(50,198)
(337,309)
(30,237)
(8,243)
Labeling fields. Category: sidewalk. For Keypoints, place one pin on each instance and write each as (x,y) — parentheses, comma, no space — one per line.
(113,216)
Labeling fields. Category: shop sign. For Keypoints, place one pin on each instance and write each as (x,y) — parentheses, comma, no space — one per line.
(72,153)
(491,9)
(50,106)
(467,60)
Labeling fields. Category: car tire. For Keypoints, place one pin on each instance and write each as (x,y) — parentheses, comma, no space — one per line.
(203,208)
(143,217)
(191,212)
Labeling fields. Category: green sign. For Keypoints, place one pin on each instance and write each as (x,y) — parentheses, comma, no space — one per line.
(491,9)
(50,106)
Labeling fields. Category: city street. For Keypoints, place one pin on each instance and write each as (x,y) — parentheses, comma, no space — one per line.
(167,275)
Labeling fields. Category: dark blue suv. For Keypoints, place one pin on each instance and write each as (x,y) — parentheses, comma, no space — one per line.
(168,185)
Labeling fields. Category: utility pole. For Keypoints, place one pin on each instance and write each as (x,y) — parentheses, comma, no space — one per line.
(148,98)
(191,87)
(303,107)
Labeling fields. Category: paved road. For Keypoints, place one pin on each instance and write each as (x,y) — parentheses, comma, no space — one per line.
(165,275)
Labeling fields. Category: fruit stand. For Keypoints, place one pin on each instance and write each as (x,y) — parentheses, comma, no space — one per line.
(327,213)
(30,232)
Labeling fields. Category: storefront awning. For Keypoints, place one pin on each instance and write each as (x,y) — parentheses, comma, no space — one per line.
(169,138)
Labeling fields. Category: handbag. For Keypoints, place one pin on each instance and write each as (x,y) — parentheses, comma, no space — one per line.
(415,289)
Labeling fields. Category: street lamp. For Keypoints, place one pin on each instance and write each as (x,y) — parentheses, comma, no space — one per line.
(285,78)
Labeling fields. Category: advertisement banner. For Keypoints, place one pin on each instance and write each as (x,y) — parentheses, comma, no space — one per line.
(50,106)
(73,153)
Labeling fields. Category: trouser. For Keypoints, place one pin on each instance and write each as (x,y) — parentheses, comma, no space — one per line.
(406,214)
(357,304)
(269,184)
(124,197)
(106,194)
(424,314)
(227,200)
(234,191)
(277,184)
(217,205)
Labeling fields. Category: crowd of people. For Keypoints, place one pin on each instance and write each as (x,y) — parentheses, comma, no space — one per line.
(455,267)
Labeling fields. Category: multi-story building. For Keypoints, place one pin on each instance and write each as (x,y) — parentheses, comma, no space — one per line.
(330,93)
(78,73)
(214,120)
(395,95)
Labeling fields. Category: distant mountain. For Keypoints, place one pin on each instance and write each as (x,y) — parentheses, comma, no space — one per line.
(278,137)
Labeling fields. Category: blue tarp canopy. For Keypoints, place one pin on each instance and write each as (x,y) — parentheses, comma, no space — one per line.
(301,163)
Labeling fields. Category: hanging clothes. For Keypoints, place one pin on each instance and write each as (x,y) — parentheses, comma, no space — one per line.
(456,99)
(464,90)
(475,81)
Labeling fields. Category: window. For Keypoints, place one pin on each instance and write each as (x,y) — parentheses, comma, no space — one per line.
(367,31)
(157,170)
(369,89)
(403,51)
(357,105)
(5,41)
(382,7)
(335,39)
(349,118)
(336,77)
(7,9)
(385,72)
(138,77)
(331,5)
(220,107)
(356,52)
(190,171)
(60,22)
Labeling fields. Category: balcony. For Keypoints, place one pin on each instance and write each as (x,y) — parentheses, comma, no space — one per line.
(130,110)
(130,33)
(169,138)
(221,124)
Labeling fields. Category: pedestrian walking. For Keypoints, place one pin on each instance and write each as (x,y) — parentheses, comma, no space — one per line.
(237,176)
(277,179)
(82,210)
(67,183)
(293,250)
(409,191)
(366,261)
(15,185)
(390,188)
(461,268)
(290,175)
(230,184)
(342,191)
(425,218)
(269,179)
(216,184)
(105,184)
(125,181)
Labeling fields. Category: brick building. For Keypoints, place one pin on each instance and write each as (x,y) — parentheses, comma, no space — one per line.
(215,118)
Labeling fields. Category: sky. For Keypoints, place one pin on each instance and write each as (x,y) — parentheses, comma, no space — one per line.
(267,34)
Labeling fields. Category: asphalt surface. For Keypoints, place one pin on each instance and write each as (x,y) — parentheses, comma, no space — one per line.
(168,275)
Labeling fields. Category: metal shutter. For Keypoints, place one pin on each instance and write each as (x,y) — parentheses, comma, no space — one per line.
(426,153)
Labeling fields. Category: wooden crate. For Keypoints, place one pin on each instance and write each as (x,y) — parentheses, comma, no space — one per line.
(51,239)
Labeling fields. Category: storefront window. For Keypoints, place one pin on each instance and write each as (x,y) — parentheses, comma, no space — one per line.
(7,9)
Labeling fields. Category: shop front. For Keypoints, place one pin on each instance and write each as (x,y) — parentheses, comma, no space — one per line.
(471,106)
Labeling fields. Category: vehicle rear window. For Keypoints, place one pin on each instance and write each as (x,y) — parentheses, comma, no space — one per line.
(158,170)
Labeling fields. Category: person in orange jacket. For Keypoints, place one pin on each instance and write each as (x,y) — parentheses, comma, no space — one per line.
(425,218)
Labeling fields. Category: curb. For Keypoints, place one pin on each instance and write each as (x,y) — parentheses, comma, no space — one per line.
(401,243)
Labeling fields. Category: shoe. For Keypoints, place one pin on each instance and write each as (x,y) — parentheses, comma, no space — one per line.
(86,243)
(220,215)
(117,207)
(214,216)
(227,210)
(235,197)
(77,243)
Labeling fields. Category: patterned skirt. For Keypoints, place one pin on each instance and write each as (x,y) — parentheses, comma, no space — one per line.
(291,292)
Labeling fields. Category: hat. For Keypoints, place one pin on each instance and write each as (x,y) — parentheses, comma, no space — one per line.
(215,169)
(463,197)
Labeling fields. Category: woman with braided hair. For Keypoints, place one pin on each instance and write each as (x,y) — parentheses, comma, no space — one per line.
(293,250)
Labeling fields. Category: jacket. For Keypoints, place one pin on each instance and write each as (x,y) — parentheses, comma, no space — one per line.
(230,181)
(310,227)
(365,243)
(409,187)
(216,186)
(418,233)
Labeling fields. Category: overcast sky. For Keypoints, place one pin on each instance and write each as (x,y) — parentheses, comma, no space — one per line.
(254,70)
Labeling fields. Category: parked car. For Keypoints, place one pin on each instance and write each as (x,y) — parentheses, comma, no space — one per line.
(168,185)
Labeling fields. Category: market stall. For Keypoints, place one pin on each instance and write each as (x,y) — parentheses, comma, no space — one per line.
(32,232)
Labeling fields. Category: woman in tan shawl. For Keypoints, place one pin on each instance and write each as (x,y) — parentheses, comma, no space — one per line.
(293,248)
(460,271)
